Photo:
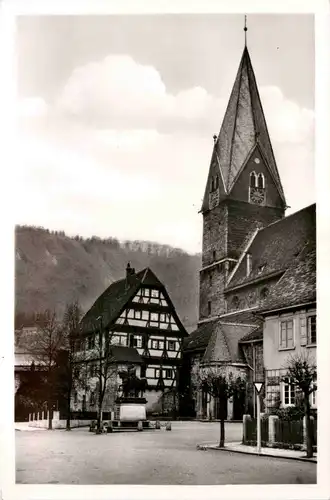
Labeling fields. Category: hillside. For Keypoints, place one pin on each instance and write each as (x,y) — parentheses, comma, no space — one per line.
(53,269)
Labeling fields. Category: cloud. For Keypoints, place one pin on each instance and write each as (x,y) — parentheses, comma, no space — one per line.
(32,107)
(121,93)
(121,156)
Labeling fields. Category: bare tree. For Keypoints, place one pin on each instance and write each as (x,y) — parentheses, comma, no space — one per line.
(221,383)
(99,354)
(301,373)
(45,347)
(71,321)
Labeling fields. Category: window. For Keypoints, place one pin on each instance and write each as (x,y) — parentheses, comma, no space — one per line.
(264,292)
(214,255)
(162,317)
(209,307)
(155,293)
(171,345)
(289,392)
(137,314)
(235,302)
(311,325)
(168,372)
(145,315)
(154,317)
(154,344)
(261,181)
(210,279)
(137,342)
(92,370)
(286,334)
(253,179)
(91,342)
(248,264)
(157,372)
(216,182)
(146,292)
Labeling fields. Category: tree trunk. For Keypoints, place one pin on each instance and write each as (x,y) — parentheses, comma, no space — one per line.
(68,417)
(222,433)
(309,441)
(99,409)
(50,415)
(222,415)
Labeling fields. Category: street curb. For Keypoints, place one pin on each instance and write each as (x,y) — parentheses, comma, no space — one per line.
(300,459)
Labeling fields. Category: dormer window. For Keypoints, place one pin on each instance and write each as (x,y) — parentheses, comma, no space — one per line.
(253,179)
(248,264)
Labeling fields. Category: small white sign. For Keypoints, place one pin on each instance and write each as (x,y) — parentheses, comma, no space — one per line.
(258,386)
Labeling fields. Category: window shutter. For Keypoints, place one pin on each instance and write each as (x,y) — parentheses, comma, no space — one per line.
(303,330)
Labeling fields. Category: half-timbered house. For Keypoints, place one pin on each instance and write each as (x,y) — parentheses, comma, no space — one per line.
(142,328)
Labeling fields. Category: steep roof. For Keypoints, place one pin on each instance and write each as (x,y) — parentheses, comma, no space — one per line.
(298,284)
(275,247)
(111,302)
(223,345)
(243,127)
(225,331)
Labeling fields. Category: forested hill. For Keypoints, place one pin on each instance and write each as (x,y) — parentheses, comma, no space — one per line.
(53,269)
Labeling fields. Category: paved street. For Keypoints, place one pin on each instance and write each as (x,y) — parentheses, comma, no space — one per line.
(150,457)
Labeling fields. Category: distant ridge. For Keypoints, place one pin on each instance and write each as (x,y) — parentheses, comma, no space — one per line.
(53,269)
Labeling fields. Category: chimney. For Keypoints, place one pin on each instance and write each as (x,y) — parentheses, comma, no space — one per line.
(130,272)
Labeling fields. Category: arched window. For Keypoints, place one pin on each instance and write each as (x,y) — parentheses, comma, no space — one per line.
(253,179)
(261,181)
(235,302)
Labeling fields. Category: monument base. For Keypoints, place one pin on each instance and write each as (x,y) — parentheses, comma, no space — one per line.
(131,409)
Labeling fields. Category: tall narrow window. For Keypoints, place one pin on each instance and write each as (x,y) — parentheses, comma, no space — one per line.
(286,334)
(214,255)
(209,308)
(289,392)
(216,182)
(248,264)
(311,330)
(253,179)
(261,181)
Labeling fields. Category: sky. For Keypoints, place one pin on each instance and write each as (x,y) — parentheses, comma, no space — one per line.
(116,116)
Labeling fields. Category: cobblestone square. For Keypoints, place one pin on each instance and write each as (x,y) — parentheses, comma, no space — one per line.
(149,457)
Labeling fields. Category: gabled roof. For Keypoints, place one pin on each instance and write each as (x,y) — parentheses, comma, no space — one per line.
(112,301)
(275,247)
(243,127)
(225,331)
(298,284)
(223,345)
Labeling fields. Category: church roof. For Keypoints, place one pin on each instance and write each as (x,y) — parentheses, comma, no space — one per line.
(277,246)
(298,284)
(223,345)
(243,127)
(224,331)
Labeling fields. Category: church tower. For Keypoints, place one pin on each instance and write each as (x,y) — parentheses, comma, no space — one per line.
(243,190)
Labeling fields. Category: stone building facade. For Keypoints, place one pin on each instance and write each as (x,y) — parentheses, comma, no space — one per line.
(248,244)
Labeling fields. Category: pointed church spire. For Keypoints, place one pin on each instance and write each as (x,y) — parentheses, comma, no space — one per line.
(243,127)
